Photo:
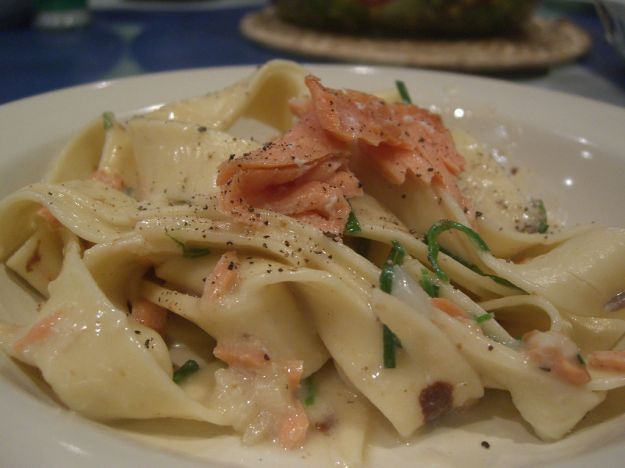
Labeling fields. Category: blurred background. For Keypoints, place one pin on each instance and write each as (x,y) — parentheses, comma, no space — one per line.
(51,44)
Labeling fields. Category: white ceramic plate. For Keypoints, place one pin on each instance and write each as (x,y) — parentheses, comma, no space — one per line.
(574,147)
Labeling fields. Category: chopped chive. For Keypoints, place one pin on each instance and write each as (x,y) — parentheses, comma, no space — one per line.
(428,285)
(543,227)
(180,243)
(502,281)
(484,318)
(195,252)
(386,279)
(473,267)
(189,252)
(108,120)
(309,391)
(395,257)
(390,340)
(459,259)
(403,91)
(185,370)
(390,343)
(581,359)
(397,254)
(352,226)
(433,247)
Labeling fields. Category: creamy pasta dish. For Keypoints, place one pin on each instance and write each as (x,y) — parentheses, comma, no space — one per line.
(364,261)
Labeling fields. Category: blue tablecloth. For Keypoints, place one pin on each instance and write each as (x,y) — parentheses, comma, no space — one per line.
(123,42)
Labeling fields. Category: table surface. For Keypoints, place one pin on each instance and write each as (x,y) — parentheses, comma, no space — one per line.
(130,37)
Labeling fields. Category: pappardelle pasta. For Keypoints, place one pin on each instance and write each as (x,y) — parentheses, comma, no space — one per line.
(366,259)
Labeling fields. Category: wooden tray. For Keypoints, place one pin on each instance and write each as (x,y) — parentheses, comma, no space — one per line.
(543,43)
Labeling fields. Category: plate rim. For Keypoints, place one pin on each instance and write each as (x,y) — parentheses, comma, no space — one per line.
(9,111)
(518,97)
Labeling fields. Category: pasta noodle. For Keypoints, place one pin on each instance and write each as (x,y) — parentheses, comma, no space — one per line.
(353,266)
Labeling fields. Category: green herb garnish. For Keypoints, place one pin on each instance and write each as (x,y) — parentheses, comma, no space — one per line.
(352,226)
(108,120)
(484,318)
(581,359)
(386,279)
(390,340)
(433,247)
(543,227)
(502,281)
(395,257)
(428,285)
(189,252)
(403,91)
(361,245)
(473,267)
(185,370)
(397,254)
(309,391)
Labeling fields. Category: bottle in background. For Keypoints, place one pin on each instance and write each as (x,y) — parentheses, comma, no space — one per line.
(61,14)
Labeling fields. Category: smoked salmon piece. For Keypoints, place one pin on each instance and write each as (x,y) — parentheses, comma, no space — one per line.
(40,331)
(294,426)
(398,138)
(305,173)
(352,115)
(112,180)
(449,308)
(246,356)
(609,360)
(242,352)
(149,314)
(47,215)
(223,278)
(294,370)
(556,353)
